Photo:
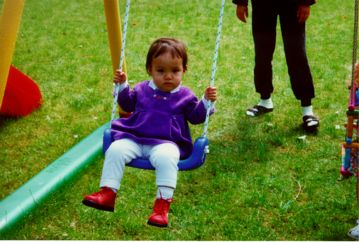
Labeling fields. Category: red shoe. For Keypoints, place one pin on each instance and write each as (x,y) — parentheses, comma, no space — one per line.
(159,217)
(103,200)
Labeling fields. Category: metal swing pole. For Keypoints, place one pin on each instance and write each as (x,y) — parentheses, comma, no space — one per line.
(353,95)
(354,54)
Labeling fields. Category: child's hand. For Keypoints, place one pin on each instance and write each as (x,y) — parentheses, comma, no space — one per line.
(211,94)
(120,77)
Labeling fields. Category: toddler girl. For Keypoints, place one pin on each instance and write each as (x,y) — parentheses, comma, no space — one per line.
(157,129)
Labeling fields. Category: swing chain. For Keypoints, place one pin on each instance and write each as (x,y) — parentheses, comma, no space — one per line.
(214,67)
(122,57)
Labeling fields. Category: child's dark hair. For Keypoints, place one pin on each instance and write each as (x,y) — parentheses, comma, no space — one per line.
(175,47)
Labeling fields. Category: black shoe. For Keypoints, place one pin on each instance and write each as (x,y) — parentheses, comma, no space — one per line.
(257,110)
(310,123)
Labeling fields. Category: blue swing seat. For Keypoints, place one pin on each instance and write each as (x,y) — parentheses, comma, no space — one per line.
(196,159)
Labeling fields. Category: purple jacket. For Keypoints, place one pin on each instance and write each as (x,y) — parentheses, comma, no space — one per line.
(159,117)
(300,2)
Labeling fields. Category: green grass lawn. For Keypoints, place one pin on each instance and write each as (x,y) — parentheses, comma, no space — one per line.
(259,182)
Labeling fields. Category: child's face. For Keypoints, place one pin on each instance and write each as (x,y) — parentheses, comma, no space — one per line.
(166,71)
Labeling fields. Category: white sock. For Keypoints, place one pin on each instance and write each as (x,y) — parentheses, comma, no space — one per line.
(308,110)
(165,192)
(267,103)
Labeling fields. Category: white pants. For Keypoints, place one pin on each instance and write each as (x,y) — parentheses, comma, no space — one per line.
(164,157)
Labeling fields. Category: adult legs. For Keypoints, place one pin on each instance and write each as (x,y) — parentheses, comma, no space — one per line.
(293,34)
(264,21)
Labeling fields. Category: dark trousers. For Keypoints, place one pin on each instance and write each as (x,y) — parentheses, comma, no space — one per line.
(264,21)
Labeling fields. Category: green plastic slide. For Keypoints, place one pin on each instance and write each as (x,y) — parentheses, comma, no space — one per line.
(37,189)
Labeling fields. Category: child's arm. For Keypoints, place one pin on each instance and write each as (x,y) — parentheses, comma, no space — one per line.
(196,110)
(210,94)
(120,77)
(127,98)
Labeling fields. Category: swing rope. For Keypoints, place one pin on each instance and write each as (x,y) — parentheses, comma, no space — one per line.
(122,57)
(214,67)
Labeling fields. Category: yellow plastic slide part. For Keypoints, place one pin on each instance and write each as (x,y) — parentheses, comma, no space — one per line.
(9,25)
(113,21)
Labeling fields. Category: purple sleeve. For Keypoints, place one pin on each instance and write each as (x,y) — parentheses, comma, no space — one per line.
(127,99)
(195,111)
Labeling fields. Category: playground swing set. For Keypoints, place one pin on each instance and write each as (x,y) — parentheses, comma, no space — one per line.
(198,156)
(15,206)
(19,203)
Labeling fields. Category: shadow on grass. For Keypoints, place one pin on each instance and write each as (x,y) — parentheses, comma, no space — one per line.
(5,121)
